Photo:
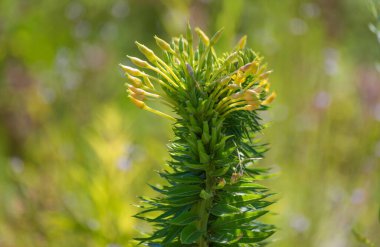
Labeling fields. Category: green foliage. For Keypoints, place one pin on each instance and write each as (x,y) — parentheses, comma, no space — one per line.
(212,198)
(375,27)
(362,239)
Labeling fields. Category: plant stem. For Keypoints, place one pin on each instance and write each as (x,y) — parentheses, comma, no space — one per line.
(204,207)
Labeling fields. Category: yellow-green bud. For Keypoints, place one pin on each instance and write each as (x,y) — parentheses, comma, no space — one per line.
(134,80)
(250,67)
(131,71)
(137,102)
(148,53)
(163,45)
(265,75)
(241,43)
(270,98)
(202,36)
(139,62)
(137,96)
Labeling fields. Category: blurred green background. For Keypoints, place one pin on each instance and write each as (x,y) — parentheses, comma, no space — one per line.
(75,153)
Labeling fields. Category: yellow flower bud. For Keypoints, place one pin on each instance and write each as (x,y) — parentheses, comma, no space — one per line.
(137,96)
(202,36)
(134,80)
(250,68)
(131,71)
(241,43)
(269,99)
(139,62)
(136,90)
(148,53)
(265,75)
(251,107)
(137,102)
(163,45)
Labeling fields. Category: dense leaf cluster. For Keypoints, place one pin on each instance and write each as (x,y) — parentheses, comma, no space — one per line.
(212,197)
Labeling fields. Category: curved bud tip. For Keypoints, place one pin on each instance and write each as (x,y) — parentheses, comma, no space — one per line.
(250,67)
(131,71)
(202,36)
(137,102)
(270,98)
(139,62)
(163,44)
(148,53)
(241,43)
(134,80)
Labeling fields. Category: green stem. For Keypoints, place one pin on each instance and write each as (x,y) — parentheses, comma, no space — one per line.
(204,208)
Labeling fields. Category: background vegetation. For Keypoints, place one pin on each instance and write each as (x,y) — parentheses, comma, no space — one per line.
(74,153)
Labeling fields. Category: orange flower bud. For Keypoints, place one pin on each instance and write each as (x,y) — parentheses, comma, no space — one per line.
(137,102)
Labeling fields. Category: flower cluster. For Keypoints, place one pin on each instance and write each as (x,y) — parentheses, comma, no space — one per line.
(231,82)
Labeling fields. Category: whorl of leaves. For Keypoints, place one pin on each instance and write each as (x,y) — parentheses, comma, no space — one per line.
(212,197)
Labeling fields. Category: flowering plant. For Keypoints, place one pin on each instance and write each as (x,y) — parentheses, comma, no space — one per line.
(212,197)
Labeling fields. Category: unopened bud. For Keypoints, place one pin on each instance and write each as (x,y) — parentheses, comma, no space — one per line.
(269,99)
(148,53)
(245,67)
(136,90)
(139,62)
(163,45)
(241,43)
(131,71)
(137,96)
(202,36)
(265,75)
(250,68)
(137,102)
(251,107)
(134,80)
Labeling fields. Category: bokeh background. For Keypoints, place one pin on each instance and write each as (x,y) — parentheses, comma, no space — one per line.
(75,153)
